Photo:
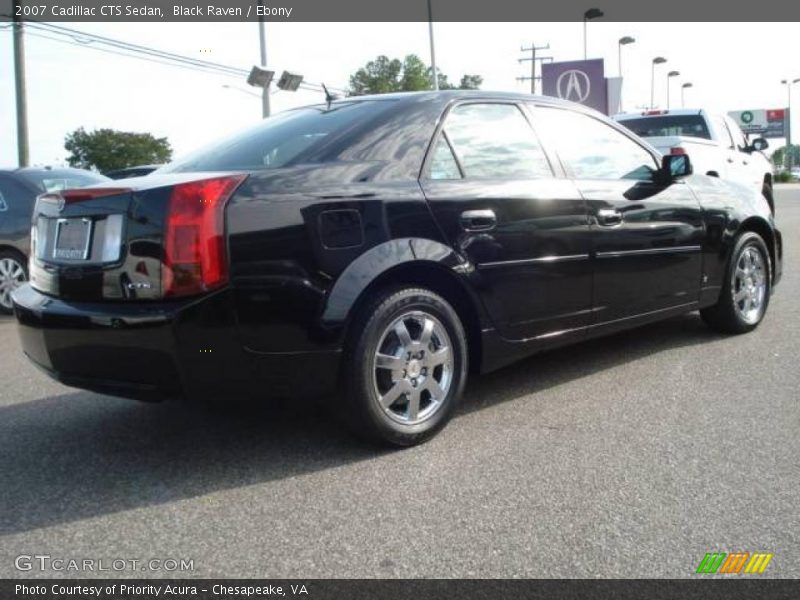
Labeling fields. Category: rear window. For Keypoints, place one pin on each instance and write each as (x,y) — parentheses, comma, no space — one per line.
(56,180)
(669,125)
(292,137)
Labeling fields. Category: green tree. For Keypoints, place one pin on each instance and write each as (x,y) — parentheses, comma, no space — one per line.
(384,75)
(108,149)
(779,157)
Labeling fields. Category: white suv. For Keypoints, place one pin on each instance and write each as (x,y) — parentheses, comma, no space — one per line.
(714,143)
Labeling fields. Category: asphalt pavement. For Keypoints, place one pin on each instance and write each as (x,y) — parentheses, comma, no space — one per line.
(628,456)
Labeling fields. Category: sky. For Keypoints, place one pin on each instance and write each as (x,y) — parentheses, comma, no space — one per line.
(732,66)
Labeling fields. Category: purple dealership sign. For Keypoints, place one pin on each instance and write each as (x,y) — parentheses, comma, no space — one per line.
(581,81)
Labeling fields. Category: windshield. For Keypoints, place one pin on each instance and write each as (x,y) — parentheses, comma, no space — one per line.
(289,137)
(55,180)
(669,125)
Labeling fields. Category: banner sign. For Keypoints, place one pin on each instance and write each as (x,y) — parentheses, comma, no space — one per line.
(766,122)
(581,81)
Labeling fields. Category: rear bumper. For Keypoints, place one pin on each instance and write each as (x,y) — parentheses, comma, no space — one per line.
(156,351)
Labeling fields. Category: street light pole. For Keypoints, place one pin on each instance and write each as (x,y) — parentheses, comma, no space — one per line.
(789,83)
(683,88)
(262,38)
(658,60)
(435,75)
(592,13)
(670,75)
(623,41)
(21,95)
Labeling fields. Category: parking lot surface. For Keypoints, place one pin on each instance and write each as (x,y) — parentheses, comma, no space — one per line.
(628,456)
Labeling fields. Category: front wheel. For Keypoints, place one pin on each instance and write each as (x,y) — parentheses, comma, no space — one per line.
(745,292)
(13,273)
(405,366)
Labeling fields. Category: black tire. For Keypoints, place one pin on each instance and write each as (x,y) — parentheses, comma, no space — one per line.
(373,329)
(726,315)
(766,191)
(8,257)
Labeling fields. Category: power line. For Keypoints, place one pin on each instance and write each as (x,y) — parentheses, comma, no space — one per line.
(118,53)
(87,40)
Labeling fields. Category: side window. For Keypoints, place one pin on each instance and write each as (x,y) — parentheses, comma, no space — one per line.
(443,163)
(722,131)
(495,141)
(593,149)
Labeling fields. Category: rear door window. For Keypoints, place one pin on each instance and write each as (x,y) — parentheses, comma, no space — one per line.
(495,141)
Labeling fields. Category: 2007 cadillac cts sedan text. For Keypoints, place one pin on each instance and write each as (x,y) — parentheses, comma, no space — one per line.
(385,246)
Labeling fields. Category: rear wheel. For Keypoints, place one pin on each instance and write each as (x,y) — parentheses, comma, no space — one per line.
(405,367)
(745,292)
(13,273)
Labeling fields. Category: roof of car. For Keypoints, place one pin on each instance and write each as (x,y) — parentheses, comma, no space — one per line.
(448,95)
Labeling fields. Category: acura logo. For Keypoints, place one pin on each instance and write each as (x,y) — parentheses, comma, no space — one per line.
(573,85)
(60,203)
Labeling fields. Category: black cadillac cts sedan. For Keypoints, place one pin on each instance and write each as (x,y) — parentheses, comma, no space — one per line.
(385,247)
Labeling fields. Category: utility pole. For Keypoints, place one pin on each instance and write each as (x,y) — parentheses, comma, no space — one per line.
(21,95)
(533,58)
(262,38)
(433,53)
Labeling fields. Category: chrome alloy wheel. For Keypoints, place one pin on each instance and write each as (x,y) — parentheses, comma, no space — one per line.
(413,368)
(749,285)
(12,275)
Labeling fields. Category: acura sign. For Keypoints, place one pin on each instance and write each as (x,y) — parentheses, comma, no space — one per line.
(581,81)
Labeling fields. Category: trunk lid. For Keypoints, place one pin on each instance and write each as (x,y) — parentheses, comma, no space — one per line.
(104,243)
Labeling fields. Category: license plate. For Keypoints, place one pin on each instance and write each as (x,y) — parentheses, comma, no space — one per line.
(73,237)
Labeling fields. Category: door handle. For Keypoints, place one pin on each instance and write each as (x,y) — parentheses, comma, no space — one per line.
(609,217)
(729,159)
(478,220)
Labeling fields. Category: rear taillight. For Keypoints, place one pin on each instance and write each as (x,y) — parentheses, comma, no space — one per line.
(677,150)
(195,259)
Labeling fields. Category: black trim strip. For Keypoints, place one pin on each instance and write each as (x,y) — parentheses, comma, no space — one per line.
(533,261)
(669,250)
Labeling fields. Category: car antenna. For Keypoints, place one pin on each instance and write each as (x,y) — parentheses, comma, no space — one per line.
(328,96)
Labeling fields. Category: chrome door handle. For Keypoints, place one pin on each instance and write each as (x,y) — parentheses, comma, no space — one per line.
(609,217)
(478,220)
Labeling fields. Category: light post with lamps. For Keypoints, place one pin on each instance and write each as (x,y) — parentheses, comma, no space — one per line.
(670,75)
(683,89)
(589,15)
(789,83)
(658,60)
(623,41)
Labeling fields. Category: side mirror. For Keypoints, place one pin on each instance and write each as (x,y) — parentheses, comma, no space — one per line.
(758,145)
(675,166)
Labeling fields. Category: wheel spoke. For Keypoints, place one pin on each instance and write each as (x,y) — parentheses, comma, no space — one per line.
(402,334)
(398,389)
(441,356)
(437,393)
(427,332)
(386,361)
(413,405)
